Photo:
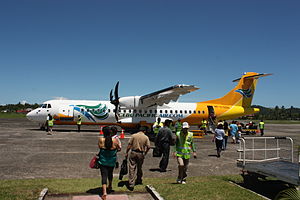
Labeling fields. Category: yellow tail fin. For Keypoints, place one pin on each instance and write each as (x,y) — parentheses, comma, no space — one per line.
(242,94)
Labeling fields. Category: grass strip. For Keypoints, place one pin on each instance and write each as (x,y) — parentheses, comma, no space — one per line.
(204,187)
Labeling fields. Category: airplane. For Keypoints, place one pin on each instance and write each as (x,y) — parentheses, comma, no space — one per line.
(131,112)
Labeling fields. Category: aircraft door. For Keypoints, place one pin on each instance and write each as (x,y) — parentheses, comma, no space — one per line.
(211,118)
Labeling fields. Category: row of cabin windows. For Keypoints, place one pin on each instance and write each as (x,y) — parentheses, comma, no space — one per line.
(154,111)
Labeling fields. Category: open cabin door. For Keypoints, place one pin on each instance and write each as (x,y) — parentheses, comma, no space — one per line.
(211,119)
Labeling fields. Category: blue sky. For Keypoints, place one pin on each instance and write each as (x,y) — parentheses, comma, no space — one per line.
(80,49)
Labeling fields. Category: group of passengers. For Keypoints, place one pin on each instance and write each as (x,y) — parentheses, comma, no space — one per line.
(138,147)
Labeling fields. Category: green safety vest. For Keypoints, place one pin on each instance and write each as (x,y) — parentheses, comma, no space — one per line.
(79,121)
(261,125)
(156,128)
(184,145)
(178,126)
(204,123)
(51,122)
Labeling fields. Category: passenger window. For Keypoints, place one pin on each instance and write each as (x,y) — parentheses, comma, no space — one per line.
(199,112)
(194,111)
(171,111)
(109,110)
(160,111)
(124,111)
(134,111)
(82,109)
(140,111)
(150,111)
(185,112)
(155,111)
(176,111)
(146,111)
(129,111)
(190,111)
(181,111)
(166,111)
(203,111)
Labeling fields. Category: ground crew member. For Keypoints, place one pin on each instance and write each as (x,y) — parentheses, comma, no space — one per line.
(156,126)
(163,141)
(50,124)
(178,126)
(261,127)
(139,144)
(204,125)
(183,148)
(79,123)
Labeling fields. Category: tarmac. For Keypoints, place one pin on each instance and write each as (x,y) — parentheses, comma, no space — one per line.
(28,153)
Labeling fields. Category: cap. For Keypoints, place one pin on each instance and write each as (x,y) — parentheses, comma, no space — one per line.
(185,125)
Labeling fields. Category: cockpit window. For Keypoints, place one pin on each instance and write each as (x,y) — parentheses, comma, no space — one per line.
(49,105)
(44,106)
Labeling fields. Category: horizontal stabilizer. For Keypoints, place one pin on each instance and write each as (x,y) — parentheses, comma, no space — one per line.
(254,76)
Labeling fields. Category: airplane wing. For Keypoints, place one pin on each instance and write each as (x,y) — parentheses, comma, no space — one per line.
(166,95)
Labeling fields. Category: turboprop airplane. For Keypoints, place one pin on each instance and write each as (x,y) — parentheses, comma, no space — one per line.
(136,111)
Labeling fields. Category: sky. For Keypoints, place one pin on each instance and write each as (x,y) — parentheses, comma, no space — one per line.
(78,49)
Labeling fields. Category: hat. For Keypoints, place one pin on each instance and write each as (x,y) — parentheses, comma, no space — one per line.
(185,125)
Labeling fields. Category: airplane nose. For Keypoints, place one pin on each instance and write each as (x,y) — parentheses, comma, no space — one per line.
(30,115)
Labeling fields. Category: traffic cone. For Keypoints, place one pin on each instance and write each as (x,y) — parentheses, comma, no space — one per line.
(101,132)
(122,136)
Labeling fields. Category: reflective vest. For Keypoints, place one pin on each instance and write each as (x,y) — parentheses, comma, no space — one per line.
(261,125)
(50,122)
(184,144)
(178,126)
(204,123)
(79,120)
(157,126)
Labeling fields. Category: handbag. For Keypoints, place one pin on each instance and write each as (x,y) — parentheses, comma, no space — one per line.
(94,163)
(124,169)
(156,152)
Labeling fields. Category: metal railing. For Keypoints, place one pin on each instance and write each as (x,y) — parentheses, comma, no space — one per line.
(265,147)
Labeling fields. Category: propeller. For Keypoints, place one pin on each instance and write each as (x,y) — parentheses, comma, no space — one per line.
(115,101)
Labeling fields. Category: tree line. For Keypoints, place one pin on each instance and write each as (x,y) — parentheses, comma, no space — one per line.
(16,107)
(277,113)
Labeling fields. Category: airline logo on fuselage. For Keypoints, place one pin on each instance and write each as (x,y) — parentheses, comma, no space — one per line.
(246,93)
(162,115)
(99,111)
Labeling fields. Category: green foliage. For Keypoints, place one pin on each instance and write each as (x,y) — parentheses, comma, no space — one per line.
(277,113)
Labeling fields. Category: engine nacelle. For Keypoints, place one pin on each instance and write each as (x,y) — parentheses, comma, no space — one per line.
(130,101)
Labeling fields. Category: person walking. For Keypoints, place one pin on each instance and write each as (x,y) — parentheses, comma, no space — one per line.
(233,131)
(218,138)
(107,159)
(50,122)
(163,141)
(226,131)
(139,144)
(79,119)
(204,126)
(156,126)
(261,126)
(183,148)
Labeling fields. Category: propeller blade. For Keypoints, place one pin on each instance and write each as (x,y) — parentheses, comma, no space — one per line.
(117,91)
(110,95)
